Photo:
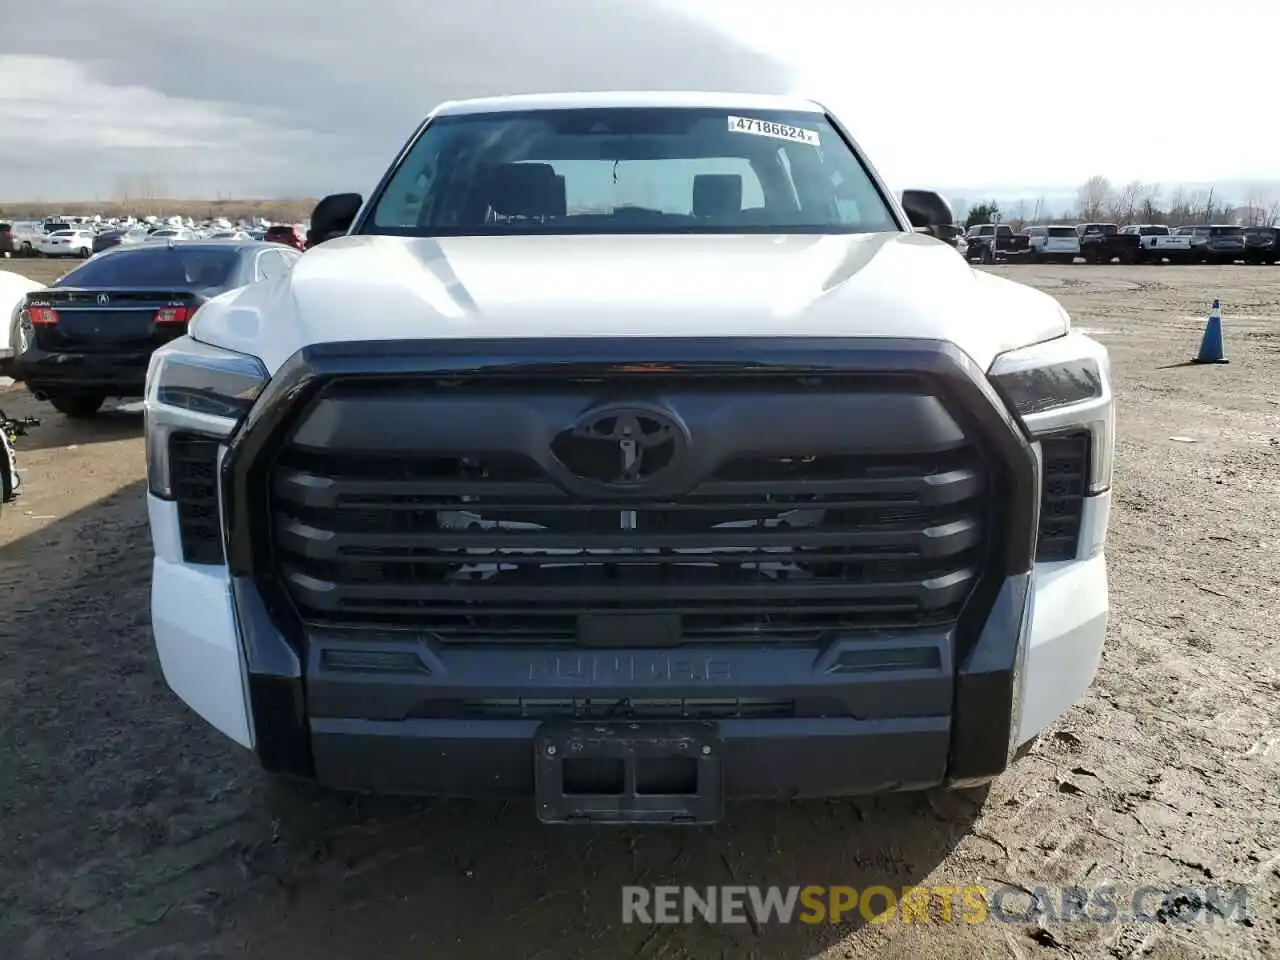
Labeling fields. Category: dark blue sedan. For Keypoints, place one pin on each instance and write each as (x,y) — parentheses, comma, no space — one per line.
(90,335)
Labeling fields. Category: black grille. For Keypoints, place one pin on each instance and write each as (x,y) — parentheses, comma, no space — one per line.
(1066,468)
(193,467)
(487,549)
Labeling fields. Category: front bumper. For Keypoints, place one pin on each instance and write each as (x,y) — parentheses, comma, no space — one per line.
(201,647)
(394,712)
(120,374)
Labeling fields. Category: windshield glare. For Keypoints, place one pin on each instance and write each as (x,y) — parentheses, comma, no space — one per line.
(630,170)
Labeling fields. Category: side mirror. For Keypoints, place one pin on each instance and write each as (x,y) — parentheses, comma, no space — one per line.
(927,210)
(332,217)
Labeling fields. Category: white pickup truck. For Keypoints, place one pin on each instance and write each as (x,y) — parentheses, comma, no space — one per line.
(1052,243)
(666,459)
(1157,243)
(13,291)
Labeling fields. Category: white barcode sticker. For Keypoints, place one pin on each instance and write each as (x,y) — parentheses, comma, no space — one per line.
(778,131)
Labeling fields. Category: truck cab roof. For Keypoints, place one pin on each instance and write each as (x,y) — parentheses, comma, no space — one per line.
(618,99)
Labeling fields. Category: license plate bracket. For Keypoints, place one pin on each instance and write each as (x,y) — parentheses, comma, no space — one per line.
(628,772)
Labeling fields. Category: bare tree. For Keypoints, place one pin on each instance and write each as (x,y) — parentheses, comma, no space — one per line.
(1199,206)
(1019,218)
(1149,203)
(1210,207)
(1093,196)
(1272,215)
(1256,206)
(1124,204)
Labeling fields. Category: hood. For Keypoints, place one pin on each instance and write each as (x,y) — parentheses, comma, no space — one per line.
(863,285)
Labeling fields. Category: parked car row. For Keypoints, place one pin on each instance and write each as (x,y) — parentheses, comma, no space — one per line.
(1132,243)
(82,238)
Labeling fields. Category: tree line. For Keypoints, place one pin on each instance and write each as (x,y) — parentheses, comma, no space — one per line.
(1099,200)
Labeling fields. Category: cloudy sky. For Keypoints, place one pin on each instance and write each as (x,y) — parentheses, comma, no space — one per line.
(300,97)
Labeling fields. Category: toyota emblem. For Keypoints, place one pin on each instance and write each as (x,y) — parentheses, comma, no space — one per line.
(624,448)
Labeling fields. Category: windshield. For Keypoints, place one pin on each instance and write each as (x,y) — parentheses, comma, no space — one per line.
(1061,232)
(630,170)
(1154,231)
(187,268)
(1225,231)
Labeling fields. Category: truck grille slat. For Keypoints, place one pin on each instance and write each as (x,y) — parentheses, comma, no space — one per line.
(327,594)
(516,546)
(312,489)
(541,623)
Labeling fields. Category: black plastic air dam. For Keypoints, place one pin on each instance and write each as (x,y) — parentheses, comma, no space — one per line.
(279,647)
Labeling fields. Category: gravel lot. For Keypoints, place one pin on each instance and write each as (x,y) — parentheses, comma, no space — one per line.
(128,829)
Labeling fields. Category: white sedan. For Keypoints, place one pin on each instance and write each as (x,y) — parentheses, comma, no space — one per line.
(14,288)
(171,233)
(66,243)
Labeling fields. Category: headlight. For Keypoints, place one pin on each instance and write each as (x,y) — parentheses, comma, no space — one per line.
(1061,386)
(195,388)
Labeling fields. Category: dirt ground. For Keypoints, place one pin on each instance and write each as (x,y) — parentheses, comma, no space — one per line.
(130,830)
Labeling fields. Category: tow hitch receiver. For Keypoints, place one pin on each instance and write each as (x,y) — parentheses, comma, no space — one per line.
(628,772)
